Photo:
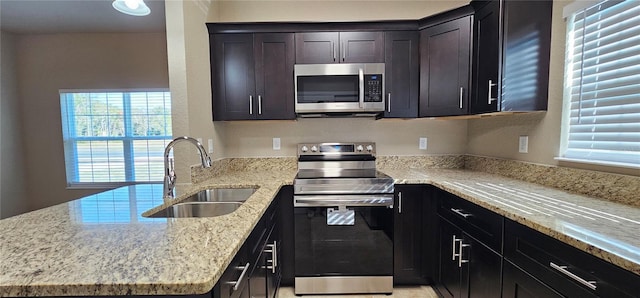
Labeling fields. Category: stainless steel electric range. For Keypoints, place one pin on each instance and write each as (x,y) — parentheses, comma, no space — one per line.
(343,216)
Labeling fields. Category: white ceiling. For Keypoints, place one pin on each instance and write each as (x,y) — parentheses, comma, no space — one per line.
(76,16)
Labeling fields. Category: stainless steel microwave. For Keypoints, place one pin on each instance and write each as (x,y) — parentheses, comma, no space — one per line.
(339,88)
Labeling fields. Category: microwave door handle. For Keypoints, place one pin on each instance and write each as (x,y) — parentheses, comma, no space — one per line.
(361,93)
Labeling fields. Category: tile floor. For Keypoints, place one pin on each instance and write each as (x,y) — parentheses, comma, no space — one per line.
(398,292)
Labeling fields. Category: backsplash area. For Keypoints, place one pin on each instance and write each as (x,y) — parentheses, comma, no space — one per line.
(618,188)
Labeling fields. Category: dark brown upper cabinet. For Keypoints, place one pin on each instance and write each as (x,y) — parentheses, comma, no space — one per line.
(445,53)
(402,74)
(339,47)
(252,76)
(511,64)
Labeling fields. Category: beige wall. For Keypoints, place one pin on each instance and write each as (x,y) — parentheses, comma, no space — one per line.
(50,62)
(392,137)
(13,194)
(498,136)
(190,79)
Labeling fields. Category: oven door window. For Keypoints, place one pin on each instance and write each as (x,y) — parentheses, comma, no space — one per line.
(327,89)
(363,248)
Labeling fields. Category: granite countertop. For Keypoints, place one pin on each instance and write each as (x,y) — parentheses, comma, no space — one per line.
(605,229)
(101,245)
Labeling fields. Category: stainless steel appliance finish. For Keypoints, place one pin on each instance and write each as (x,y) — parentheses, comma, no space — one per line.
(343,221)
(339,88)
(343,285)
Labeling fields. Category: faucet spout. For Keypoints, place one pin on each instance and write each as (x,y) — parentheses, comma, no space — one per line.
(169,168)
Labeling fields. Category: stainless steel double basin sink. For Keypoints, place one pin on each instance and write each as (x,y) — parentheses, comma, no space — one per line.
(208,203)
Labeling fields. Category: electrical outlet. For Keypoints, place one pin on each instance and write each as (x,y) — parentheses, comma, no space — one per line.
(276,143)
(423,144)
(523,146)
(210,145)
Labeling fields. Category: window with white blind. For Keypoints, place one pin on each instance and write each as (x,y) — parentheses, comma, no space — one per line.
(113,138)
(602,80)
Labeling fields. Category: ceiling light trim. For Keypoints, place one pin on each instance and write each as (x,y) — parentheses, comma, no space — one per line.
(141,10)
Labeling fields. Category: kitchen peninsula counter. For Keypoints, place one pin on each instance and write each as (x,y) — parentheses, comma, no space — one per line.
(101,245)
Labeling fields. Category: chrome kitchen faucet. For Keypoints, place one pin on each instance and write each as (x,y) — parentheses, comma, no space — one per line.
(169,169)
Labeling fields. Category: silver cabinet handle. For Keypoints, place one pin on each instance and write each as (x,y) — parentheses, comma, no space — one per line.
(461,212)
(333,45)
(250,104)
(361,78)
(453,249)
(491,85)
(274,256)
(389,102)
(460,260)
(236,284)
(563,269)
(344,52)
(259,105)
(399,202)
(461,91)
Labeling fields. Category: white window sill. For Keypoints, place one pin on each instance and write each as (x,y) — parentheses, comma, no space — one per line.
(106,185)
(599,163)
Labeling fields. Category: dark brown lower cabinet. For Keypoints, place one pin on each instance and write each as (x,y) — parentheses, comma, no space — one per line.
(407,235)
(467,268)
(519,284)
(566,269)
(263,256)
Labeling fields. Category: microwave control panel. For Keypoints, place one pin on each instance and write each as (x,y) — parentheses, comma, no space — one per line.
(373,88)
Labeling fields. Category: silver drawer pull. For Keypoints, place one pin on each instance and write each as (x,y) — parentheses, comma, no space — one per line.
(491,85)
(461,212)
(563,269)
(460,260)
(453,249)
(236,284)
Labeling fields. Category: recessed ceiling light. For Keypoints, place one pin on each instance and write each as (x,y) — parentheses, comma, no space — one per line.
(132,7)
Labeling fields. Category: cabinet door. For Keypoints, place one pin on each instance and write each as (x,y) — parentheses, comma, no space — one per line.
(233,77)
(481,269)
(519,284)
(525,72)
(361,47)
(445,51)
(450,275)
(407,236)
(258,278)
(274,271)
(317,47)
(486,58)
(402,74)
(274,57)
(287,248)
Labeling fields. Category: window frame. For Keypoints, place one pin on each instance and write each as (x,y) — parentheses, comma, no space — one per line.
(569,12)
(70,151)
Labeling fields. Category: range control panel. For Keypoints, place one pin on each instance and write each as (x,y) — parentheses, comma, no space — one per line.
(336,148)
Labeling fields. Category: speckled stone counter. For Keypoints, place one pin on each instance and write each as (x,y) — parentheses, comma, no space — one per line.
(102,245)
(605,229)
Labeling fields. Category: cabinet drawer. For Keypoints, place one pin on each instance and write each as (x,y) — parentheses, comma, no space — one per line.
(477,222)
(566,269)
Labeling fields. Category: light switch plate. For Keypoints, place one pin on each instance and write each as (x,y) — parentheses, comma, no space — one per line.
(523,146)
(423,144)
(276,143)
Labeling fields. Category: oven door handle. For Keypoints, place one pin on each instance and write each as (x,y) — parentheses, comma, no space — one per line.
(382,200)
